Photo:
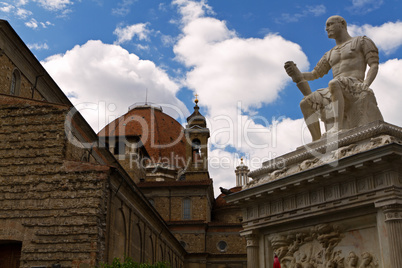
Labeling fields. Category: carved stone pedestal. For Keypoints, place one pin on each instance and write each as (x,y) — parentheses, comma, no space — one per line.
(335,203)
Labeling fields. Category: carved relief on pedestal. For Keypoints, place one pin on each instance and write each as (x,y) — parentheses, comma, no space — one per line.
(343,151)
(315,157)
(316,248)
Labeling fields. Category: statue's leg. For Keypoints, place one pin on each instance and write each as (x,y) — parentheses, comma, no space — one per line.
(311,118)
(338,104)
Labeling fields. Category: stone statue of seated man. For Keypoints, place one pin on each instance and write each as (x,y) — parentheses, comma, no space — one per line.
(348,102)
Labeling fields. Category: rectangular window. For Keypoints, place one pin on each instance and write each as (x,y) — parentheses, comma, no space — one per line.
(120,148)
(186,209)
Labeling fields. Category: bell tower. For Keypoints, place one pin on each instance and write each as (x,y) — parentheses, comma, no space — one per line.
(197,135)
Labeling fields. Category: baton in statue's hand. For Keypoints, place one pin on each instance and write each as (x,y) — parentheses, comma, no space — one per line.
(297,77)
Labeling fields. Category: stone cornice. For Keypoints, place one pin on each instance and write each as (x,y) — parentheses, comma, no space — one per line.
(325,145)
(318,175)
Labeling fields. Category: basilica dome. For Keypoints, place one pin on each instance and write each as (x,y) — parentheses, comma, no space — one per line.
(160,134)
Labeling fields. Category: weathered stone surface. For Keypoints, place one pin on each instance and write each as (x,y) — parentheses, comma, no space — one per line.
(348,102)
(329,203)
(327,151)
(54,209)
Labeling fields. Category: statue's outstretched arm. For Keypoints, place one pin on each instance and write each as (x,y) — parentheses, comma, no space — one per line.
(297,77)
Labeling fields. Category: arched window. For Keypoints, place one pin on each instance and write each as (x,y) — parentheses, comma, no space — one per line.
(186,206)
(15,83)
(136,242)
(160,256)
(119,235)
(149,250)
(196,150)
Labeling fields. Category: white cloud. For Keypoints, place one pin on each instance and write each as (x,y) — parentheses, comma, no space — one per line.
(142,47)
(168,40)
(45,24)
(316,11)
(21,2)
(162,7)
(191,10)
(23,13)
(388,37)
(32,24)
(365,6)
(280,137)
(234,76)
(96,73)
(38,46)
(54,4)
(123,8)
(127,33)
(388,90)
(7,8)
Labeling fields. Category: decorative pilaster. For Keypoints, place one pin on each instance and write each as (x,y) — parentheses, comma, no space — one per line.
(393,223)
(252,250)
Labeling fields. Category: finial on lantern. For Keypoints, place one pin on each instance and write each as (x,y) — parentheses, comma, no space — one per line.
(196,98)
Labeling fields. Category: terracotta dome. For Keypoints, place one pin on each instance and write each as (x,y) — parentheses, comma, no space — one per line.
(162,136)
(220,202)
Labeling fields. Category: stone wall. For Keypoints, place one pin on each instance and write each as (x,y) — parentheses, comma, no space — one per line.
(235,243)
(66,209)
(135,230)
(194,240)
(25,86)
(229,214)
(54,206)
(60,203)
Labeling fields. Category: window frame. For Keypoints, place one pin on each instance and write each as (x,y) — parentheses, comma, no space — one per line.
(15,83)
(186,208)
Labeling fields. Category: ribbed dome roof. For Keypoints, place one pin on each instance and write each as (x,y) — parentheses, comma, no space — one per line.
(162,136)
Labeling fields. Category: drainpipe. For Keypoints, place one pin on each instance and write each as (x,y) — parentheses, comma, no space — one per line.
(36,82)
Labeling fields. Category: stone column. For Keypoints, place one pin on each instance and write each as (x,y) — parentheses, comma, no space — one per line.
(393,223)
(252,250)
(241,174)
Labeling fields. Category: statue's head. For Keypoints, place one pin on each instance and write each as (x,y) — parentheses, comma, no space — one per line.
(335,25)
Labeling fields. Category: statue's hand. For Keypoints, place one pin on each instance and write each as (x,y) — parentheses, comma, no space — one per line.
(293,71)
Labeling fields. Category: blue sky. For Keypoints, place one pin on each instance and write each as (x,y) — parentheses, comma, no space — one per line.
(105,55)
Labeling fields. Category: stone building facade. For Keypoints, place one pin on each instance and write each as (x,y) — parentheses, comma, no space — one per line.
(176,181)
(333,203)
(64,198)
(71,197)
